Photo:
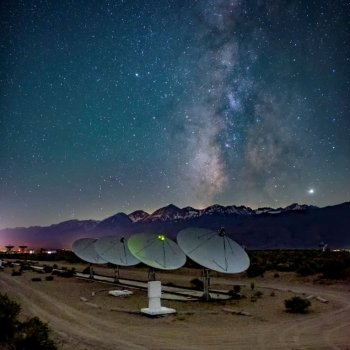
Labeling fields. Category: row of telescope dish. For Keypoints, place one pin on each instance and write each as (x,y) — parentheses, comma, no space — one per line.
(212,250)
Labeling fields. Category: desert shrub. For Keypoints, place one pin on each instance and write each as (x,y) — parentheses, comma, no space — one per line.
(9,311)
(36,279)
(31,334)
(49,278)
(47,269)
(305,270)
(308,267)
(197,283)
(55,266)
(336,268)
(276,275)
(16,273)
(297,305)
(290,259)
(258,294)
(34,334)
(255,270)
(25,267)
(67,273)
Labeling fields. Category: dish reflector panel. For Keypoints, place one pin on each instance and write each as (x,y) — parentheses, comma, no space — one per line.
(213,250)
(115,250)
(156,251)
(84,248)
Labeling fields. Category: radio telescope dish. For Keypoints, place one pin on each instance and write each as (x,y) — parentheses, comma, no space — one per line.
(115,250)
(156,251)
(84,248)
(213,250)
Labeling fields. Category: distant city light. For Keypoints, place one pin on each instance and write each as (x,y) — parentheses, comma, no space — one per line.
(51,251)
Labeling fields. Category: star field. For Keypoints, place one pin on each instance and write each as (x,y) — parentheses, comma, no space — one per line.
(109,106)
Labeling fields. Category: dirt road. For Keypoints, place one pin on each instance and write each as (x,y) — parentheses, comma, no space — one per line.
(104,322)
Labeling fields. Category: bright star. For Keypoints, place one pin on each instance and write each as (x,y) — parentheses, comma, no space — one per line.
(311,191)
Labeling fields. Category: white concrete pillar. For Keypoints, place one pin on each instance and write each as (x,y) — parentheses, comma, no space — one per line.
(154,305)
(154,294)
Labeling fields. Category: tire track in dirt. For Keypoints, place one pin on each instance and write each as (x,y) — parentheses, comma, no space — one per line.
(320,330)
(86,328)
(82,327)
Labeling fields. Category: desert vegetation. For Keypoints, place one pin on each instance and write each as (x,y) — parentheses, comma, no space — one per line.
(329,264)
(297,305)
(20,335)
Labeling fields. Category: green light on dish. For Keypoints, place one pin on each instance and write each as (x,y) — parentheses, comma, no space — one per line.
(161,237)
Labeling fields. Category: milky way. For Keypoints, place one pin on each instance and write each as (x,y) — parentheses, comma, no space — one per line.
(118,106)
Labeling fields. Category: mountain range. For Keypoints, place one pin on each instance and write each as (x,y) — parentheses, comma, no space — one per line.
(295,226)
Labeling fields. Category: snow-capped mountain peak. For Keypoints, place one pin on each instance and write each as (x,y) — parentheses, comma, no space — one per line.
(138,215)
(172,212)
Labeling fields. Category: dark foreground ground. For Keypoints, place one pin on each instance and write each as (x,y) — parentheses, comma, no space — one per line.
(82,315)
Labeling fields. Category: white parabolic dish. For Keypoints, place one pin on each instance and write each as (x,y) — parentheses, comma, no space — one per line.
(84,248)
(115,250)
(156,251)
(213,250)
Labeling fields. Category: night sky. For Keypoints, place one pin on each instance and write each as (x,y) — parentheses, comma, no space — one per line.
(110,106)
